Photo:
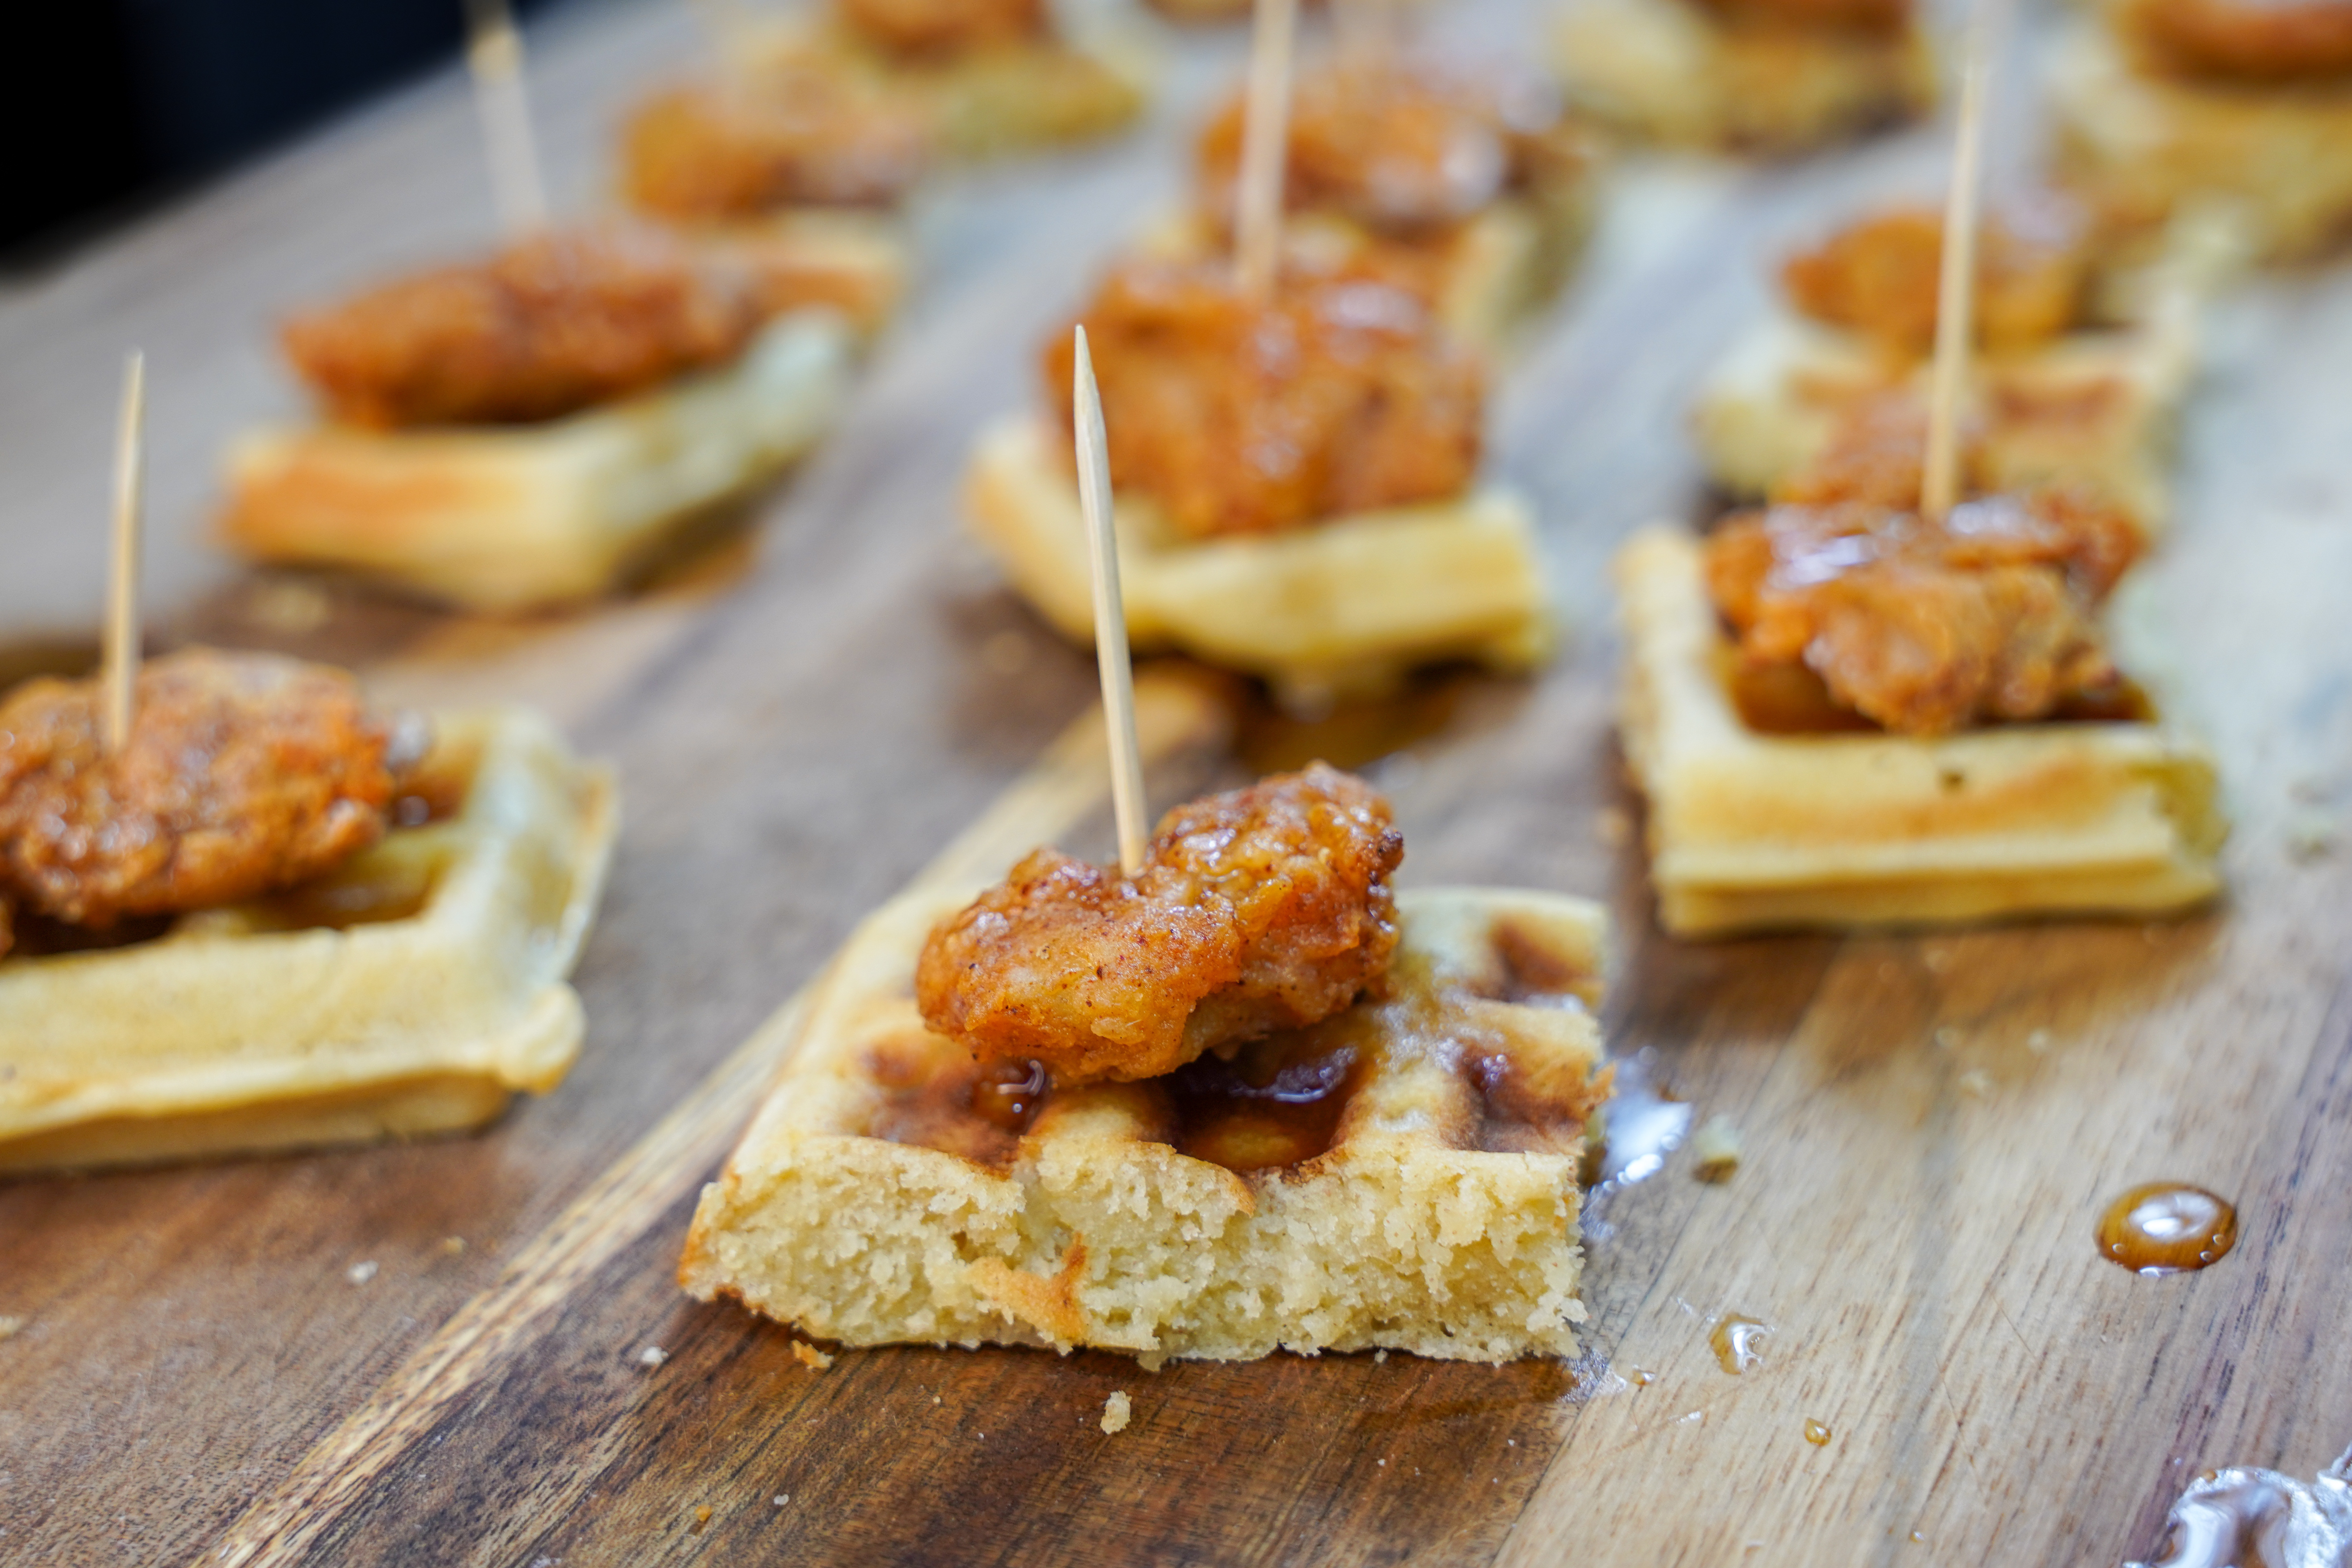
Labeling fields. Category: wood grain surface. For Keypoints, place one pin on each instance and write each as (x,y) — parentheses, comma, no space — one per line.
(806,715)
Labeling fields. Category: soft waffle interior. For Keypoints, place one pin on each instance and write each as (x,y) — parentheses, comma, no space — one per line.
(1404,1175)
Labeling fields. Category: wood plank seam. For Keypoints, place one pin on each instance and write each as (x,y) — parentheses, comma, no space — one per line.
(637,1191)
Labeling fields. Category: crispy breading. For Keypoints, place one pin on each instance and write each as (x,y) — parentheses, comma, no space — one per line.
(558,322)
(796,136)
(1338,395)
(2251,42)
(1258,910)
(1404,145)
(1925,628)
(242,773)
(942,27)
(1879,276)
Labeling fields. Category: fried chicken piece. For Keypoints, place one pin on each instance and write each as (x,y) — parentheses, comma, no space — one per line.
(1927,628)
(1339,394)
(937,29)
(243,773)
(556,323)
(1854,18)
(1402,146)
(741,149)
(1258,909)
(1879,276)
(2253,42)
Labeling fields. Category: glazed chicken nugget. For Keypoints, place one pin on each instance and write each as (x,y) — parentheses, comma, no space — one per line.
(555,324)
(1258,909)
(242,773)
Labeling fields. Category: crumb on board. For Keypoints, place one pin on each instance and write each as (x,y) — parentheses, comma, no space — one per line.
(452,1244)
(1976,1083)
(11,1326)
(701,1520)
(652,1355)
(1115,1410)
(360,1273)
(1716,1150)
(811,1357)
(784,1497)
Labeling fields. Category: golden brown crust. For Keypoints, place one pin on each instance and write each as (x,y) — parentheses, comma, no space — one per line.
(2267,43)
(243,773)
(799,137)
(1260,909)
(1337,396)
(1879,276)
(555,324)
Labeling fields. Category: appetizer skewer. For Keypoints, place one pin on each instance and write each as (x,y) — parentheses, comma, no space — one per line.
(239,910)
(1236,1097)
(1878,703)
(1766,76)
(539,426)
(1297,483)
(2160,104)
(2078,371)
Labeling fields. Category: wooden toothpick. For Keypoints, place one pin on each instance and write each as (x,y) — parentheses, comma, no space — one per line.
(1110,612)
(494,57)
(1266,150)
(120,658)
(1956,293)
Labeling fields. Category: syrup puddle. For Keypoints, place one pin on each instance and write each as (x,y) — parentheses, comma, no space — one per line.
(1641,1126)
(2246,1518)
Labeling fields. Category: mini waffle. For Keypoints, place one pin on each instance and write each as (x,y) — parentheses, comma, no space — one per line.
(1750,830)
(1403,1175)
(1668,71)
(1348,605)
(411,991)
(511,517)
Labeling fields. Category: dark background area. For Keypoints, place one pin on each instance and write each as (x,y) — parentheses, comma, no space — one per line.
(106,105)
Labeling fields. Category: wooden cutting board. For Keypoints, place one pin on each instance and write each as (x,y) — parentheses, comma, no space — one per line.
(806,718)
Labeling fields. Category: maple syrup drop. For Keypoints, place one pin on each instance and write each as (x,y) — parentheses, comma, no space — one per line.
(2166,1228)
(1816,1433)
(1735,1339)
